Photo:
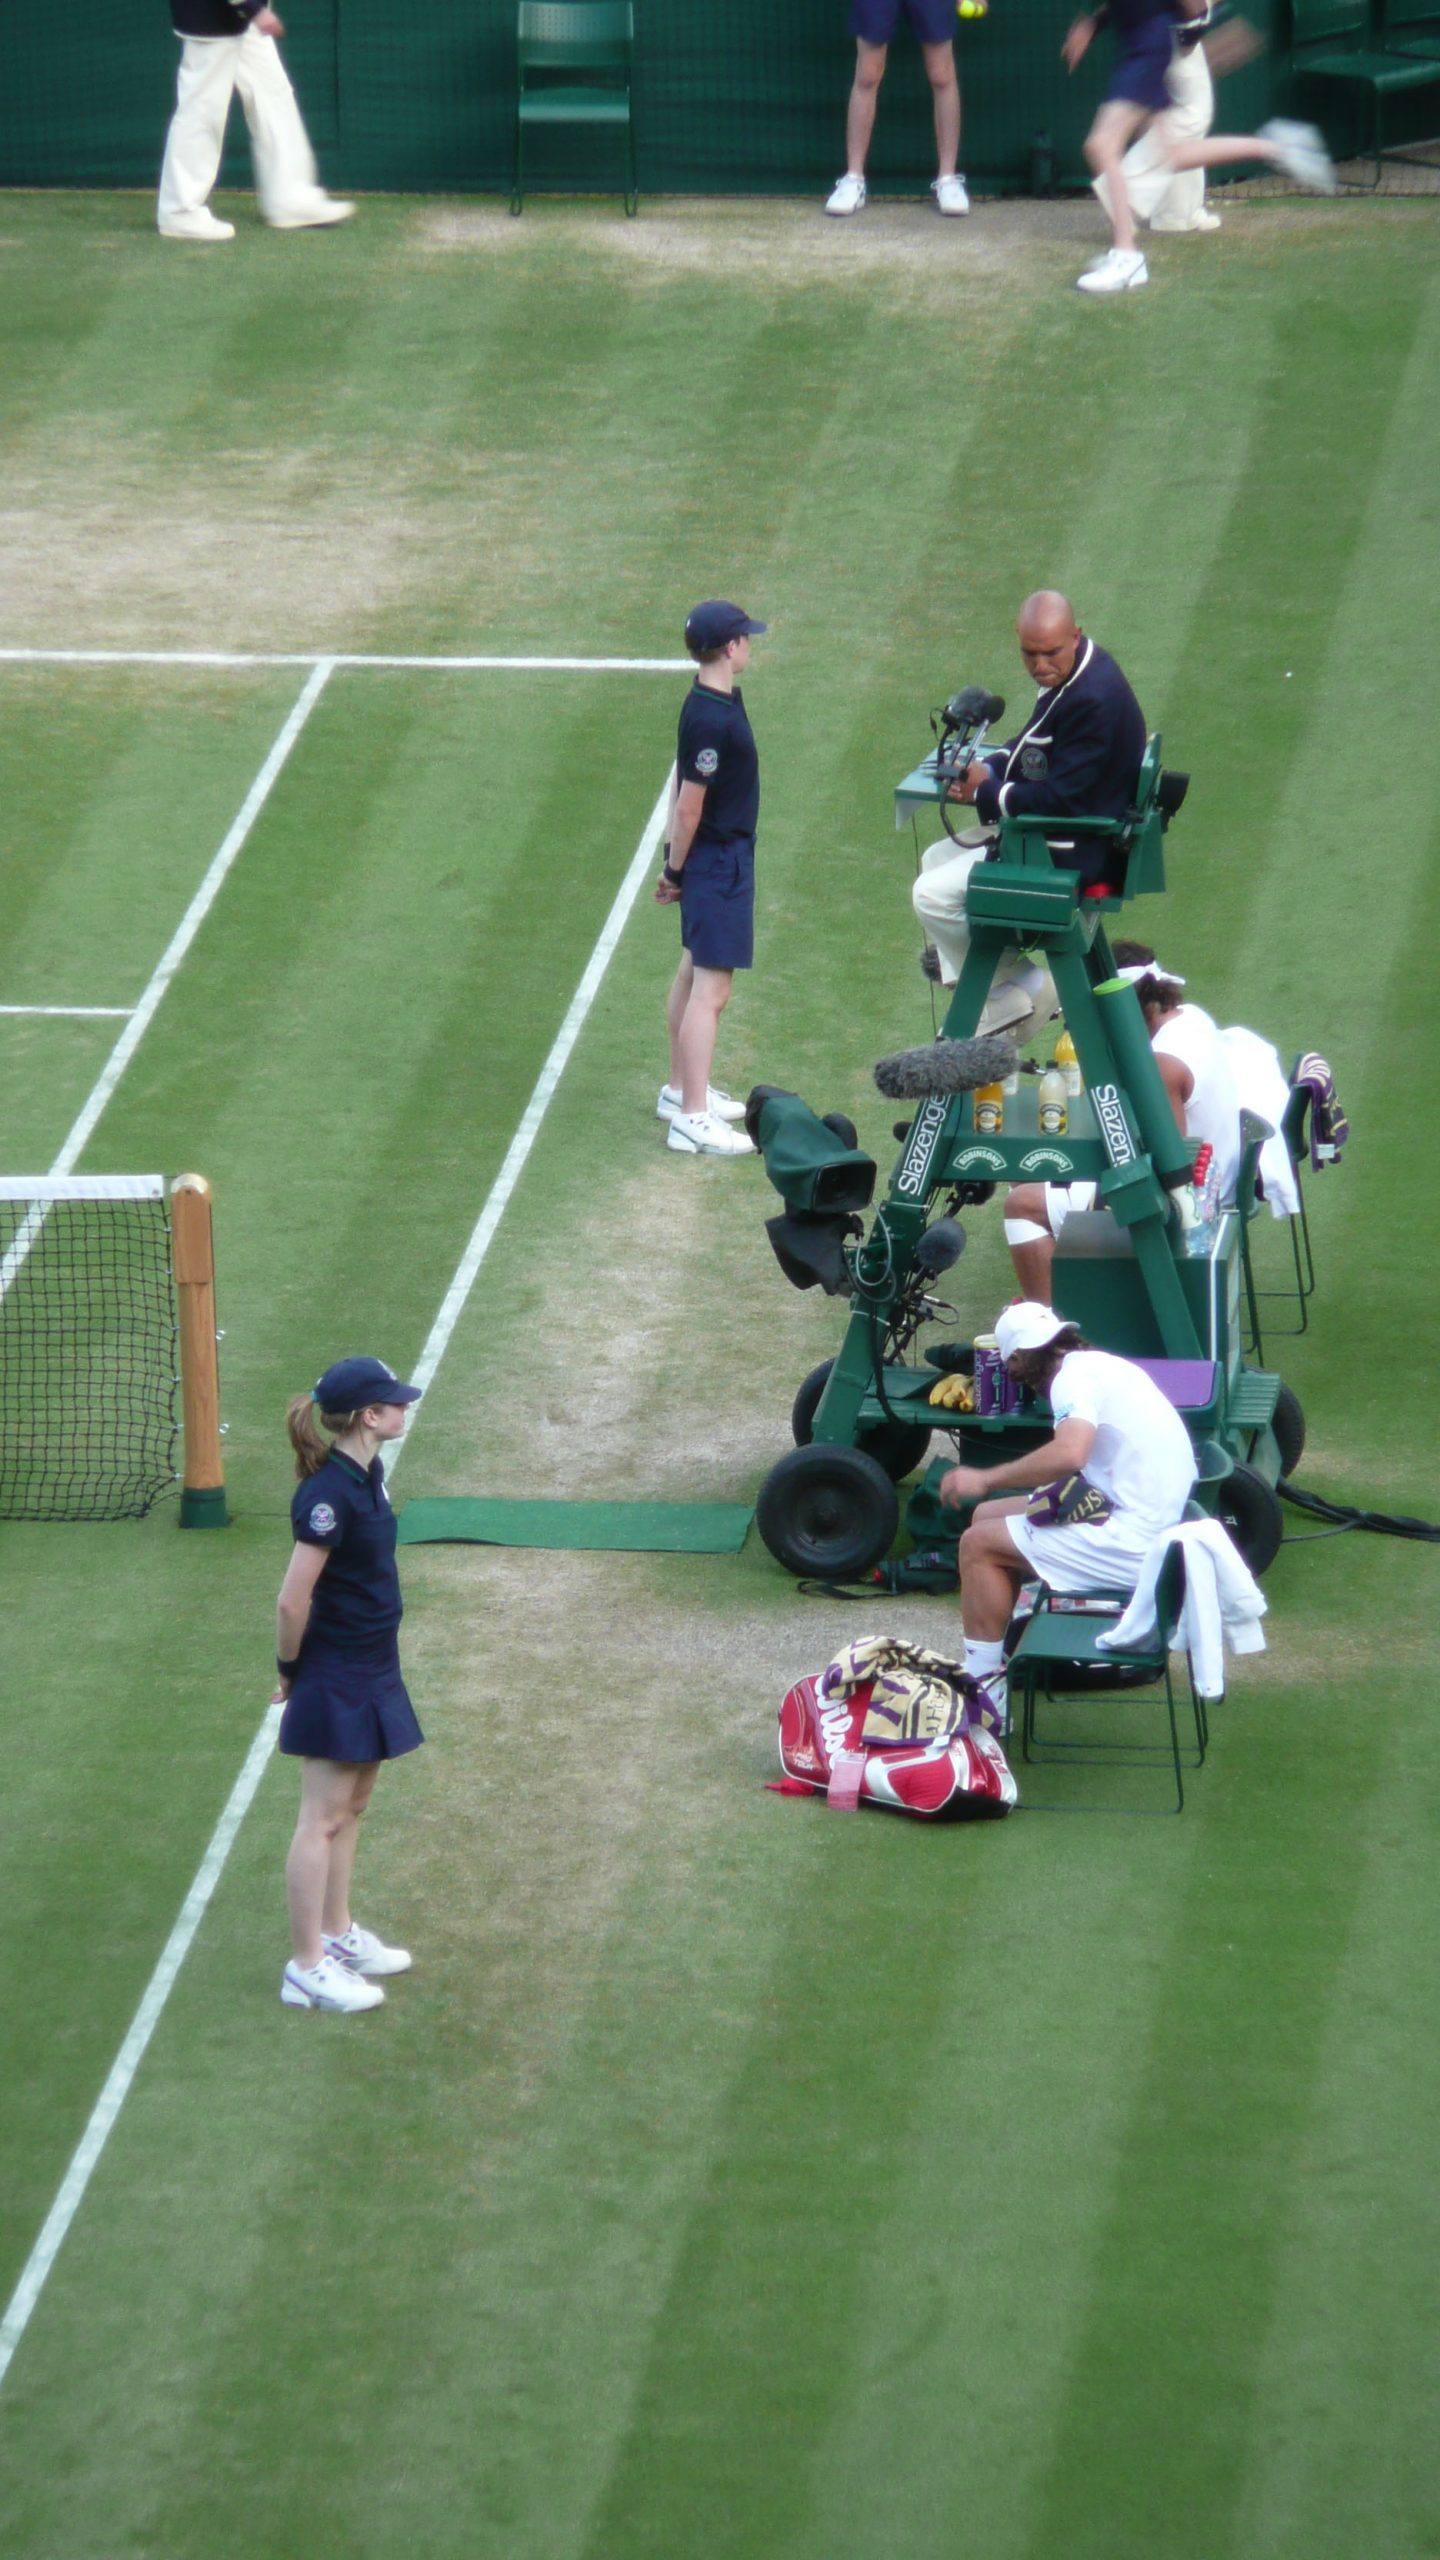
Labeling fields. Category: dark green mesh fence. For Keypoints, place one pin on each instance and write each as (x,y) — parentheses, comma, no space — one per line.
(744,97)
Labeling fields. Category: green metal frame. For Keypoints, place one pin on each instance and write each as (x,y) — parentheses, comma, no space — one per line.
(1052,1639)
(558,39)
(1169,1293)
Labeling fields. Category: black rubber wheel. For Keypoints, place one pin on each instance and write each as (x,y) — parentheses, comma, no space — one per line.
(899,1446)
(1288,1424)
(827,1511)
(1249,1507)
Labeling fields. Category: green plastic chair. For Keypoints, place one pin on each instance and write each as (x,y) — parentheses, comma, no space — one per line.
(1137,863)
(1055,1639)
(575,62)
(1336,41)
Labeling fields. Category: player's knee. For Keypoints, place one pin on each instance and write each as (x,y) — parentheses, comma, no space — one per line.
(869,67)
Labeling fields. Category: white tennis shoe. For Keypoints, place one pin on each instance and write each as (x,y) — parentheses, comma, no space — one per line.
(720,1104)
(847,195)
(362,1952)
(201,225)
(327,1985)
(314,215)
(1300,151)
(951,195)
(700,1133)
(1119,271)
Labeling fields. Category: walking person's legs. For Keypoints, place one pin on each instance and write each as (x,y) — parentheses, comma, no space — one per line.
(203,90)
(287,181)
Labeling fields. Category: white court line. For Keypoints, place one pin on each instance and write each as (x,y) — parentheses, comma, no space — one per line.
(339,658)
(75,1012)
(166,966)
(157,1991)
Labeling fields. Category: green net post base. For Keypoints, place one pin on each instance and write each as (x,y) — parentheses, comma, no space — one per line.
(204,1507)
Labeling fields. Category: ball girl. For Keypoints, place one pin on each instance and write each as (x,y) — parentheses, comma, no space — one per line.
(338,1658)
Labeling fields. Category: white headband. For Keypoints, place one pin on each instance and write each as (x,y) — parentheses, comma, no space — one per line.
(1148,969)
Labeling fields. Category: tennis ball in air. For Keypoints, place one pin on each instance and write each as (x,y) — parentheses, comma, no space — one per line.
(972,8)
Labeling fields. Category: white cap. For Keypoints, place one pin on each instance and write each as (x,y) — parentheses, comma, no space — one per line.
(1027,1326)
(1137,969)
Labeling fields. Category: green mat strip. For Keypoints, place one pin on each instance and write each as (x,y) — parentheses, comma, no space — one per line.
(670,1528)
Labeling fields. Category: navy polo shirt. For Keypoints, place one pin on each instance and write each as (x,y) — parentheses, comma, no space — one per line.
(716,747)
(346,1509)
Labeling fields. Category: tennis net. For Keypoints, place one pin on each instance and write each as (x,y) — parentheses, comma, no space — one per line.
(89,1368)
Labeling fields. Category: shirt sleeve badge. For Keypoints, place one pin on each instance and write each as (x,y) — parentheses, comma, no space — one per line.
(1034,763)
(323,1520)
(707,760)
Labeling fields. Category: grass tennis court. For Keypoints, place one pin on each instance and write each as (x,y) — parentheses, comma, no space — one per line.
(725,2182)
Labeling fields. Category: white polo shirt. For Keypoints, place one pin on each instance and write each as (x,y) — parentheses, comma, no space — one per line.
(1142,1458)
(1213,1110)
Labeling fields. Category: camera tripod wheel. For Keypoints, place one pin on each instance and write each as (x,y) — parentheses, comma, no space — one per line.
(900,1447)
(828,1511)
(1249,1507)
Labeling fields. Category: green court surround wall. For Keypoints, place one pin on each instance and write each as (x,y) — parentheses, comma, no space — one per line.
(744,97)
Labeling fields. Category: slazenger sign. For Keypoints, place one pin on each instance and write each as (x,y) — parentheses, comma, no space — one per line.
(1114,1127)
(913,1179)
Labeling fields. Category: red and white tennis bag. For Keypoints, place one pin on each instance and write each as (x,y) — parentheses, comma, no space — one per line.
(888,1723)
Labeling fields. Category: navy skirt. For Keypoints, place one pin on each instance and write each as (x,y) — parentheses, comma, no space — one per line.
(1141,77)
(349,1705)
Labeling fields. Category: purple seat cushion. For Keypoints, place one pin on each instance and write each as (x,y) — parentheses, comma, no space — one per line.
(1189,1384)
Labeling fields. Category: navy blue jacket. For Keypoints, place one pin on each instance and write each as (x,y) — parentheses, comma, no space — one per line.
(213,17)
(1078,756)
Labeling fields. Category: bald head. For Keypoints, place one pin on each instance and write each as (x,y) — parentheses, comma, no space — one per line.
(1049,636)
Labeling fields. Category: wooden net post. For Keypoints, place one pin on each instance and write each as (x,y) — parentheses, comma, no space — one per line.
(202,1500)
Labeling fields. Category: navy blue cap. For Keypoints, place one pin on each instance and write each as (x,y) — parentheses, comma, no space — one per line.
(709,626)
(349,1385)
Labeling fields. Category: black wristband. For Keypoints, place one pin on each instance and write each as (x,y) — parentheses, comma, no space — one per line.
(287,1670)
(672,876)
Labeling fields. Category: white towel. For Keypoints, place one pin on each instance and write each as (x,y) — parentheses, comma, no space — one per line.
(1260,1083)
(1224,1604)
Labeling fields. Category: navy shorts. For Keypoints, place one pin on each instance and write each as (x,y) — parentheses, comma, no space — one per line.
(1141,77)
(717,904)
(876,21)
(349,1705)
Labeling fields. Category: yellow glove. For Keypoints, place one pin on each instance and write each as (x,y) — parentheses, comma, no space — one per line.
(955,1393)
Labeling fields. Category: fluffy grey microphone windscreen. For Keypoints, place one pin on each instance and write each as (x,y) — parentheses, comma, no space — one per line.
(947,1066)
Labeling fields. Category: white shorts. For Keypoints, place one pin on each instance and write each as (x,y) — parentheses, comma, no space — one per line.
(1062,1197)
(1093,1555)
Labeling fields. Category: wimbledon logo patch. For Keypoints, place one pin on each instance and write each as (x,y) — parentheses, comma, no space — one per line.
(322,1520)
(707,760)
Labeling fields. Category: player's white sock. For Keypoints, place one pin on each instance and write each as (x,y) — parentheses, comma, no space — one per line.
(982,1661)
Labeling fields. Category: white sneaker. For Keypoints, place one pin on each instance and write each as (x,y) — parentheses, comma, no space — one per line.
(720,1104)
(360,1951)
(314,216)
(1119,271)
(203,225)
(327,1985)
(950,195)
(699,1133)
(1300,151)
(847,195)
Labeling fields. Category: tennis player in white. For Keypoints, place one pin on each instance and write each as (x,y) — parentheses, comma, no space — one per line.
(1114,1428)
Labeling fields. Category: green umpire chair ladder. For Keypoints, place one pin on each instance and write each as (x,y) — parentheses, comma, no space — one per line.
(575,63)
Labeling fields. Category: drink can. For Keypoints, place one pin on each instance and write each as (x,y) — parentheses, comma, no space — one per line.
(992,1387)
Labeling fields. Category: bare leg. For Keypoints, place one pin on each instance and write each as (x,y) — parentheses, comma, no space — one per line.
(709,995)
(1106,144)
(327,1793)
(860,114)
(335,1918)
(1033,1256)
(991,1571)
(675,1004)
(1221,150)
(945,98)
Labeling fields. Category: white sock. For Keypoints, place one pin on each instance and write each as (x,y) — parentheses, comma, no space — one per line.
(982,1661)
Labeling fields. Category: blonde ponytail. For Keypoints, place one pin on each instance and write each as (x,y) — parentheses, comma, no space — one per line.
(307,1436)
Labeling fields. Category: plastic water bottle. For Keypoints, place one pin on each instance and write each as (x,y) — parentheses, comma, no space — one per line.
(989,1110)
(1069,1065)
(1053,1104)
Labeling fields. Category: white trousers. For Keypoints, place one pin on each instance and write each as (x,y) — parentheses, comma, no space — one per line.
(1020,986)
(212,68)
(1169,199)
